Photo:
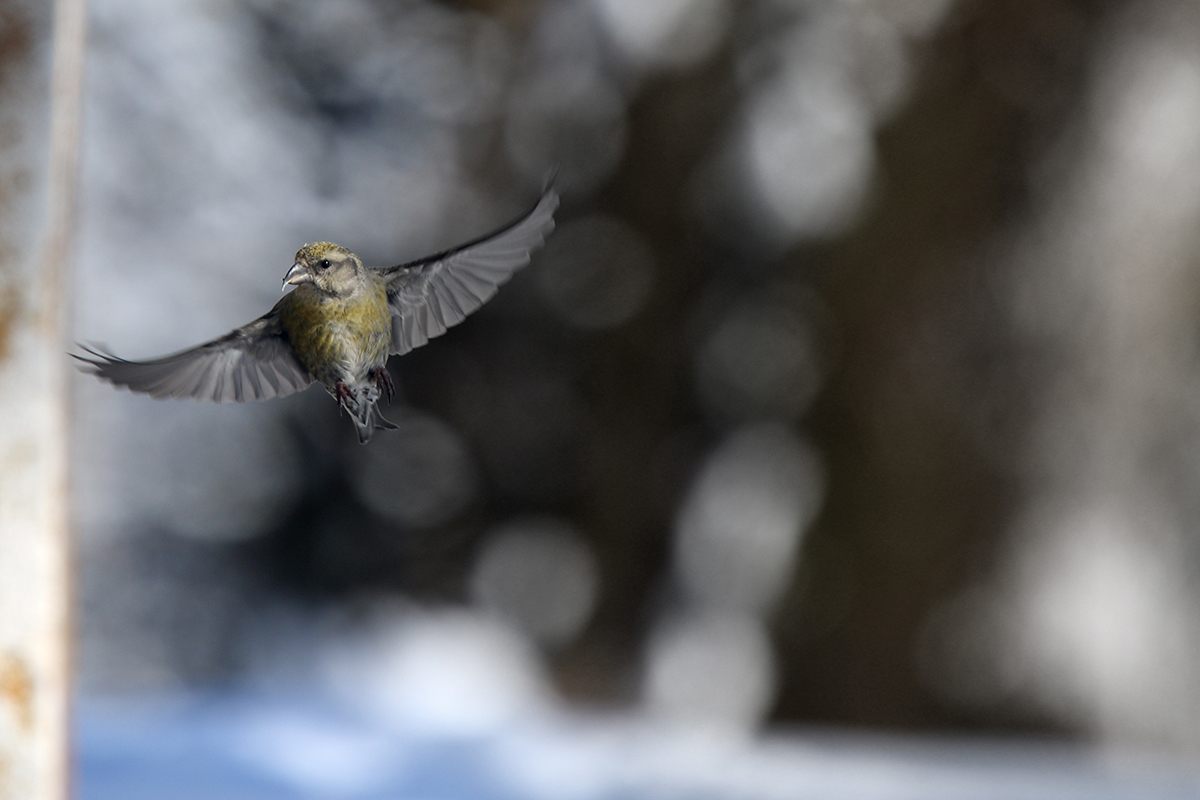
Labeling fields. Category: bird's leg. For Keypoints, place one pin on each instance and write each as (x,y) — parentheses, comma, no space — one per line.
(344,396)
(383,381)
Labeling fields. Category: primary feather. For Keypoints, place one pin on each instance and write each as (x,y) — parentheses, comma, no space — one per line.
(253,362)
(434,293)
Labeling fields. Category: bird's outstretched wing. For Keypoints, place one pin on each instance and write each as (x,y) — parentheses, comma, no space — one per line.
(431,294)
(253,362)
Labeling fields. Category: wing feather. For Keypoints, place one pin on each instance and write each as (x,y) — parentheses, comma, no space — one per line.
(253,362)
(252,375)
(432,294)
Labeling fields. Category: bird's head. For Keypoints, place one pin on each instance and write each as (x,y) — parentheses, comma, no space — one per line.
(329,267)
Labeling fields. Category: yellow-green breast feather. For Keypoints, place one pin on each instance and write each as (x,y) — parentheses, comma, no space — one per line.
(337,337)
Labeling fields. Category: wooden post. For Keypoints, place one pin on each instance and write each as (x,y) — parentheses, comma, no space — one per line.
(41,60)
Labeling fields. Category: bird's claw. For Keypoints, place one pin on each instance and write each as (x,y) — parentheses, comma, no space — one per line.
(344,396)
(383,381)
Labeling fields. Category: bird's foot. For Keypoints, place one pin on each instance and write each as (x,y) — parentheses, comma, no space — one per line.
(383,381)
(345,397)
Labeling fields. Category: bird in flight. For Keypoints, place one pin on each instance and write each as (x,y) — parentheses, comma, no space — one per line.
(339,325)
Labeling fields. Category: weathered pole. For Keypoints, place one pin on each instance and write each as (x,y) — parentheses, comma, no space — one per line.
(41,66)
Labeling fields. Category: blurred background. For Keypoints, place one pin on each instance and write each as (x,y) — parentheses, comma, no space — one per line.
(857,385)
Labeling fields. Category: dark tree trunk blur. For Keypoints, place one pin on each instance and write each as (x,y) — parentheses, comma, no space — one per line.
(917,418)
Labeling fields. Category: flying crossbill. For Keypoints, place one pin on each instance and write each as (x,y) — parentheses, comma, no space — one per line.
(340,324)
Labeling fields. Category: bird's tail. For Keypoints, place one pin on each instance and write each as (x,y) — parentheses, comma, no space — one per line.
(370,420)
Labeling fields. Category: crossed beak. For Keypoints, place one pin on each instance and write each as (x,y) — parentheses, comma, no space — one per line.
(297,275)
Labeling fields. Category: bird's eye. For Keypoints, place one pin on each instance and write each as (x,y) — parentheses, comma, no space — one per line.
(324,263)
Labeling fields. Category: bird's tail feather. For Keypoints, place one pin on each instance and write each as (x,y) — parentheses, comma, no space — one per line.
(381,422)
(371,419)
